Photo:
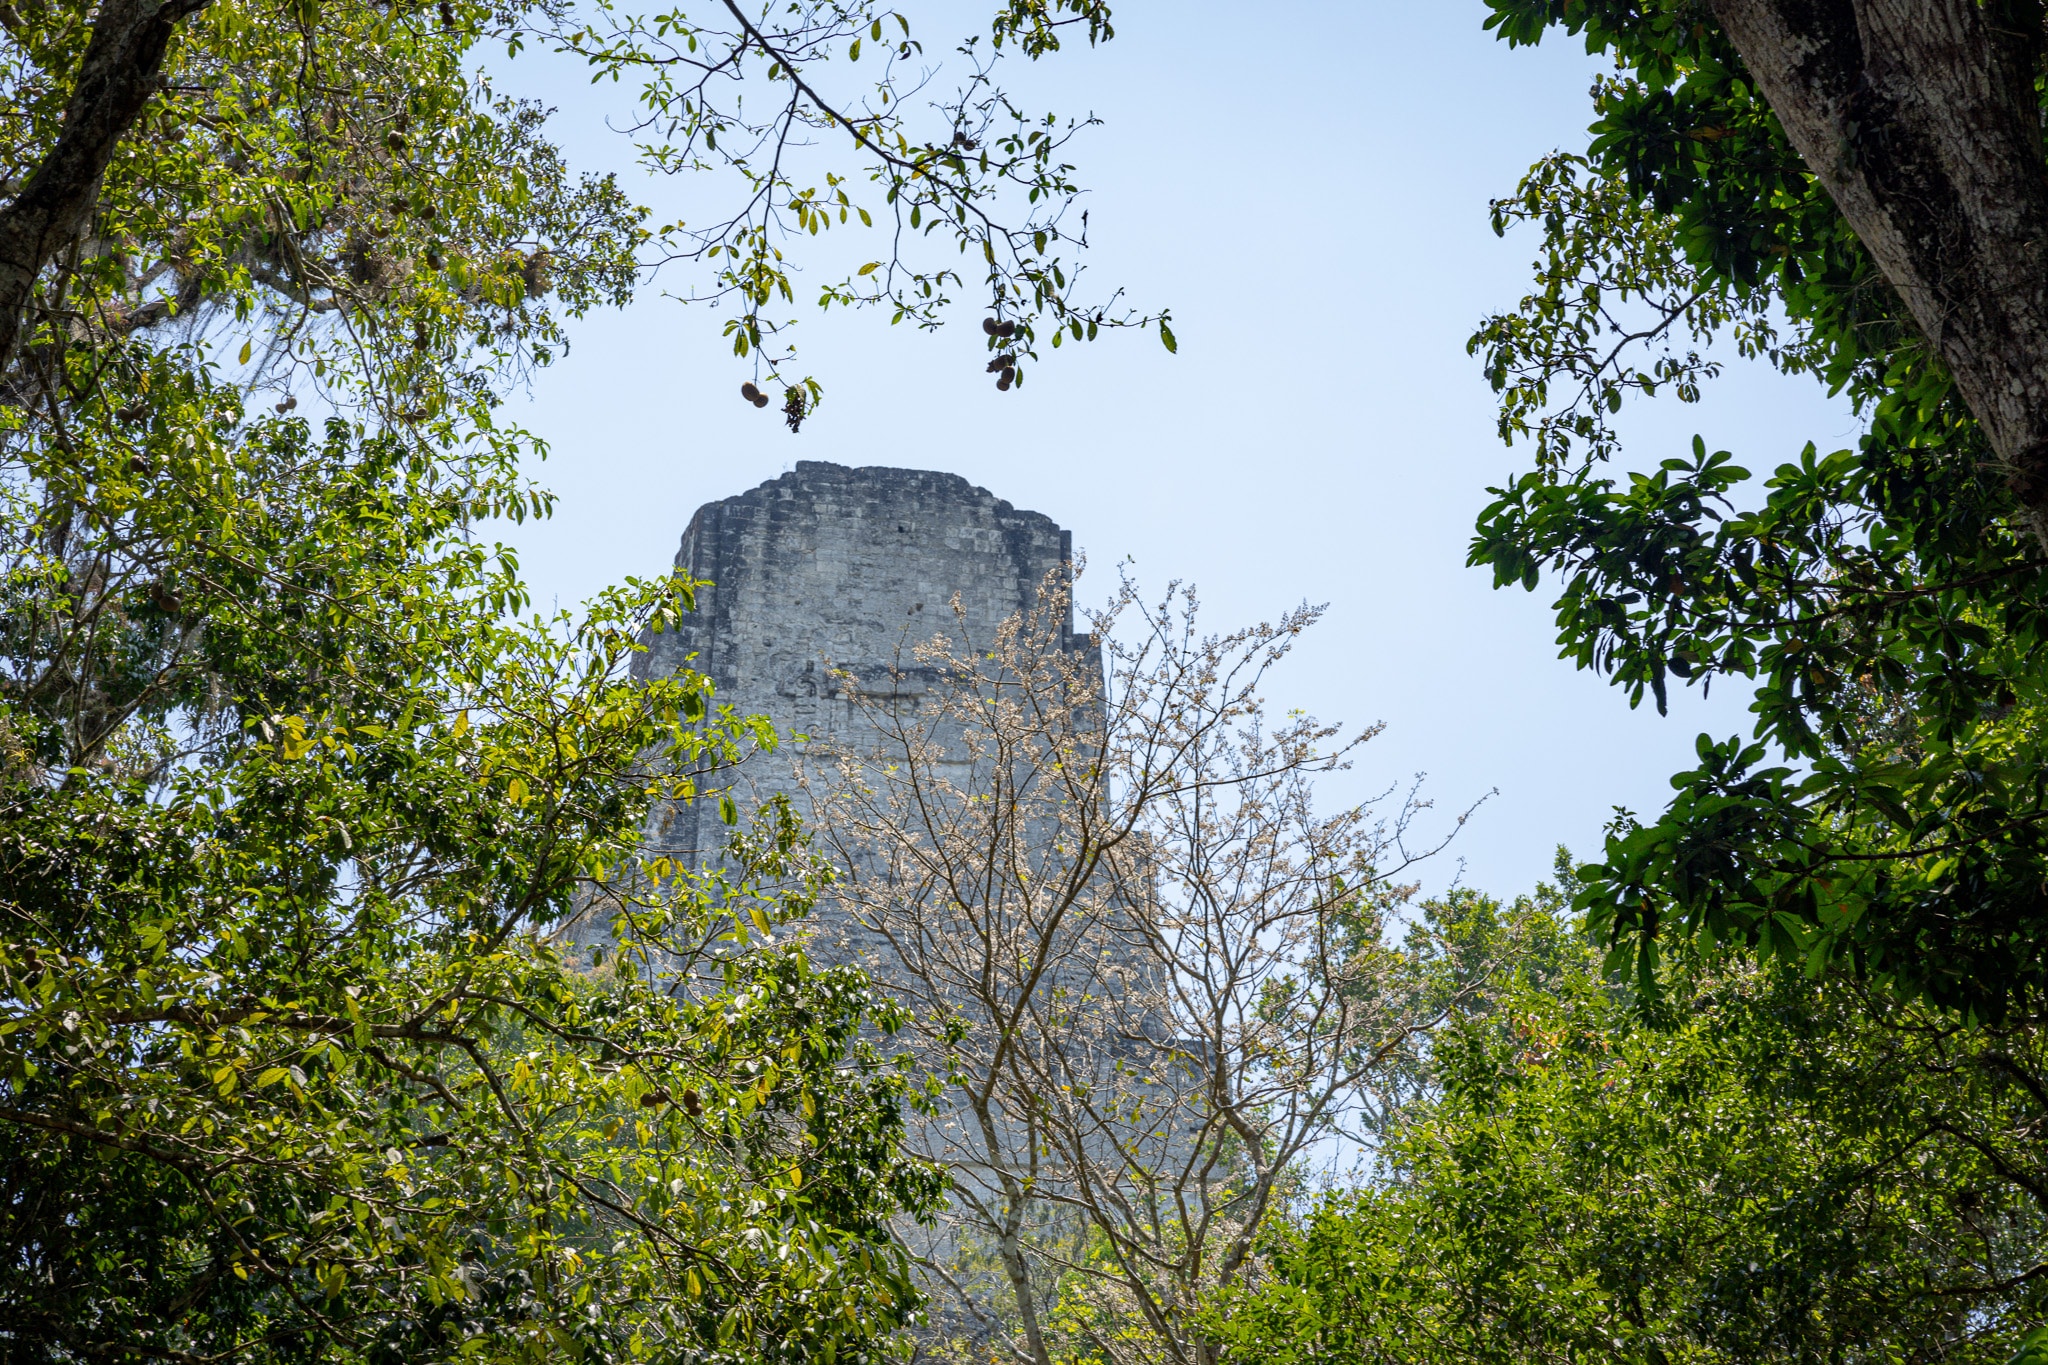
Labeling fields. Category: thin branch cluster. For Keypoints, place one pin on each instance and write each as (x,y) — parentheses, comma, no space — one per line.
(1147,975)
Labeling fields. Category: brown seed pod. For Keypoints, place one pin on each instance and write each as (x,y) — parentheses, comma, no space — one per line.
(989,325)
(400,205)
(447,14)
(1002,362)
(760,400)
(750,393)
(395,140)
(1005,379)
(433,258)
(652,1098)
(692,1104)
(1006,330)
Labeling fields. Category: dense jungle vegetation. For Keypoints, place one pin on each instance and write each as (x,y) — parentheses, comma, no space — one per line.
(297,794)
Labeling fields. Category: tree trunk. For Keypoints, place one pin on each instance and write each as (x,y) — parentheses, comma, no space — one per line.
(1018,1272)
(1009,1248)
(1921,121)
(130,39)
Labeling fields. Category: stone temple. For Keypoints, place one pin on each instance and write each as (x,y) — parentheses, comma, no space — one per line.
(825,579)
(830,571)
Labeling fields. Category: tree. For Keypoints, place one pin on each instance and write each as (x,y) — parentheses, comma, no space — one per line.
(1144,971)
(286,1061)
(1844,191)
(1916,121)
(293,804)
(1756,1167)
(332,175)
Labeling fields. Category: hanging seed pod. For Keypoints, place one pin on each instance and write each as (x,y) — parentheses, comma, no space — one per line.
(1002,362)
(1006,330)
(692,1104)
(434,258)
(447,14)
(395,140)
(750,393)
(760,400)
(989,325)
(1004,380)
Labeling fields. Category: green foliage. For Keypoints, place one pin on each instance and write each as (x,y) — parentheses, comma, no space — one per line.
(966,166)
(296,1059)
(328,193)
(298,816)
(289,1061)
(1885,604)
(331,189)
(1755,1169)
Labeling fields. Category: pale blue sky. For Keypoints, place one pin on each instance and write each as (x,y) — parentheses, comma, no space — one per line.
(1306,186)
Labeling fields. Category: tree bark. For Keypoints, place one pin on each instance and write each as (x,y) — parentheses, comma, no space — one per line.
(123,59)
(1920,119)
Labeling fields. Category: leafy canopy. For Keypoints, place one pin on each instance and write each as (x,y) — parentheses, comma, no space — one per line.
(1885,604)
(295,806)
(1755,1169)
(287,1055)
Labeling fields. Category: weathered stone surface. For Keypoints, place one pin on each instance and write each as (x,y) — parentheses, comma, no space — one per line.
(827,573)
(829,570)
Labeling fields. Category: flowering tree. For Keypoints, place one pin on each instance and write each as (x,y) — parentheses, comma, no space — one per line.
(1145,970)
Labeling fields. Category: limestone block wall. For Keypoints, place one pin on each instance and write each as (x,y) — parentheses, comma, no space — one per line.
(829,569)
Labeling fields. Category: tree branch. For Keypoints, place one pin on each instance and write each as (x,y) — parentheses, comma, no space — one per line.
(123,59)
